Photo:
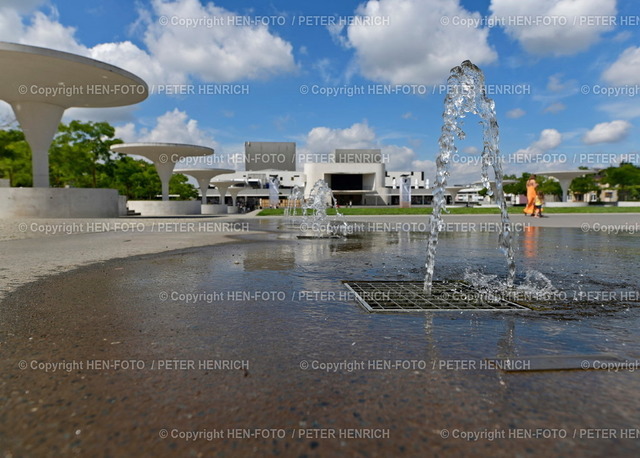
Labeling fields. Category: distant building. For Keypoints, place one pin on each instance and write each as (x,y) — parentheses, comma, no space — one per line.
(270,155)
(356,176)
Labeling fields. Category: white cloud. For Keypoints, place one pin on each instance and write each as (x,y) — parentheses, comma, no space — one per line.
(555,108)
(172,127)
(323,140)
(623,36)
(415,46)
(625,70)
(626,110)
(516,113)
(556,26)
(607,132)
(177,127)
(130,57)
(549,139)
(21,6)
(534,157)
(174,53)
(219,53)
(49,33)
(556,84)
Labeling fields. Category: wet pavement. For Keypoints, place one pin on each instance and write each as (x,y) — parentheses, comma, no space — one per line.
(257,348)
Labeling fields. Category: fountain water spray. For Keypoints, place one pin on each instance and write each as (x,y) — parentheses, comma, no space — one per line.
(274,192)
(294,201)
(466,94)
(314,212)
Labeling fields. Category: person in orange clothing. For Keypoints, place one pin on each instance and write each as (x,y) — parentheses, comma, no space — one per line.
(532,184)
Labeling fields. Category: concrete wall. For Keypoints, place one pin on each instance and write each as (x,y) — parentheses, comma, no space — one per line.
(58,203)
(270,155)
(213,209)
(373,177)
(623,203)
(358,156)
(122,205)
(5,183)
(165,208)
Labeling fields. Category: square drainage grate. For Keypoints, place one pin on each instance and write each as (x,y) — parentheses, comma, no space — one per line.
(408,296)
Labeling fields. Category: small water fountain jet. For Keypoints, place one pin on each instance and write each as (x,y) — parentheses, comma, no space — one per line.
(274,192)
(314,213)
(294,202)
(466,94)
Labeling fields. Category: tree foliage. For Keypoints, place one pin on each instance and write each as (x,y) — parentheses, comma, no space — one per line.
(15,158)
(626,177)
(545,184)
(583,185)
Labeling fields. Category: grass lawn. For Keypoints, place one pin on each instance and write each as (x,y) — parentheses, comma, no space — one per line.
(457,211)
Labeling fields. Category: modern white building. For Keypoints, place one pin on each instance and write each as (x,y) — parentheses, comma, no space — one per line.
(356,176)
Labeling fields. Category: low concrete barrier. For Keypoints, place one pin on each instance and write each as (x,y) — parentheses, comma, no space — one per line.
(165,207)
(214,209)
(58,203)
(624,203)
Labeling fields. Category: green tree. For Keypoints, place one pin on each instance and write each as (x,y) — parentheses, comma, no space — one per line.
(548,186)
(626,177)
(80,156)
(545,184)
(15,158)
(583,185)
(178,185)
(138,180)
(519,187)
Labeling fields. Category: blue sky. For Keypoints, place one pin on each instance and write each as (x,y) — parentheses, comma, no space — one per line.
(564,73)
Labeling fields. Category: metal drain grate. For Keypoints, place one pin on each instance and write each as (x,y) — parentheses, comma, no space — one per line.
(409,296)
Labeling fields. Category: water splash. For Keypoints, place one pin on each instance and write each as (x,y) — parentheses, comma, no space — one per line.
(314,212)
(274,192)
(466,94)
(294,201)
(534,288)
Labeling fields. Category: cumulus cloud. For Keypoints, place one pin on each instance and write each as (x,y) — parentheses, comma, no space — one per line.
(172,127)
(174,53)
(516,113)
(556,26)
(535,155)
(625,70)
(628,109)
(221,53)
(325,140)
(177,127)
(607,132)
(549,139)
(415,46)
(555,108)
(556,84)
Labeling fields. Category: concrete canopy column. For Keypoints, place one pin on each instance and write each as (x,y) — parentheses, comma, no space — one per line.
(564,179)
(39,121)
(222,189)
(204,177)
(40,83)
(234,191)
(164,157)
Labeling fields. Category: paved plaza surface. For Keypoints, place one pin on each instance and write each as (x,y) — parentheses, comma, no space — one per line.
(87,294)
